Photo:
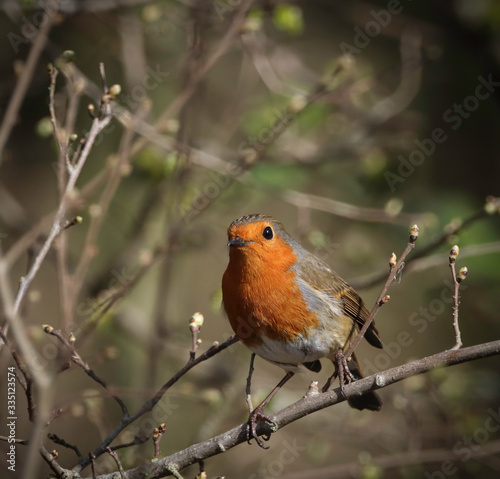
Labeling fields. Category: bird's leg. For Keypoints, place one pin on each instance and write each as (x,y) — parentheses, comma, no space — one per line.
(249,384)
(341,370)
(257,414)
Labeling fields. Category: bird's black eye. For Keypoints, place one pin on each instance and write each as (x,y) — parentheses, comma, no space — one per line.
(268,233)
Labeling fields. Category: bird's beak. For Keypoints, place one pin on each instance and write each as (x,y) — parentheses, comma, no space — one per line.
(238,241)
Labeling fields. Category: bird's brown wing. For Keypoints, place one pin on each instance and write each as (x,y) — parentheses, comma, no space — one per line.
(319,276)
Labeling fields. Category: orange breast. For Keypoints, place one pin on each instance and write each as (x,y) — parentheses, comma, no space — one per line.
(261,297)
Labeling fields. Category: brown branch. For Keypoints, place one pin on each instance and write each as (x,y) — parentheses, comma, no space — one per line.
(396,268)
(308,404)
(457,279)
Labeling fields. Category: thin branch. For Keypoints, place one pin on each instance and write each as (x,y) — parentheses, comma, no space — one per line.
(55,438)
(248,388)
(457,279)
(77,359)
(310,403)
(346,210)
(27,383)
(396,268)
(56,467)
(114,455)
(16,99)
(23,442)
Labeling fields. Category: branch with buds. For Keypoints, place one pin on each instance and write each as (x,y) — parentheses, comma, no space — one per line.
(395,268)
(195,324)
(457,279)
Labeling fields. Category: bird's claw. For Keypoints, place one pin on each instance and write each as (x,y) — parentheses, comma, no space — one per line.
(255,416)
(342,371)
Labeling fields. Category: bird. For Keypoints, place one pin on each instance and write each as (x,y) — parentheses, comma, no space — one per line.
(291,309)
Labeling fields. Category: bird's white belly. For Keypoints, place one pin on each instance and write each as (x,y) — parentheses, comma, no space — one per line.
(290,355)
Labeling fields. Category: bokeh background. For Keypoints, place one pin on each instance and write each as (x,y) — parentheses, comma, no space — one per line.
(332,167)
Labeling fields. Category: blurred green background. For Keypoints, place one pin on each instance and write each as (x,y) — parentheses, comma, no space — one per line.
(391,73)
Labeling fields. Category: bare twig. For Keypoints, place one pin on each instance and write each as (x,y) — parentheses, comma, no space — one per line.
(457,279)
(55,438)
(346,210)
(10,118)
(114,455)
(23,442)
(157,434)
(77,359)
(195,324)
(248,388)
(395,269)
(92,464)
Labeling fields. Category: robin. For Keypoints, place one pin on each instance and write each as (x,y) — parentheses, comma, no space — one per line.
(290,308)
